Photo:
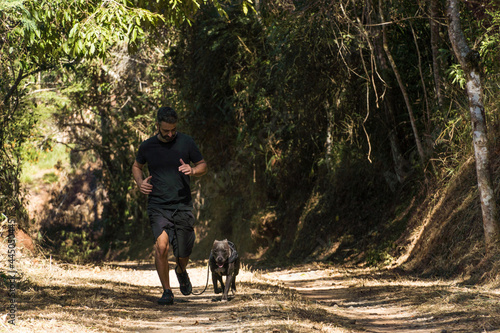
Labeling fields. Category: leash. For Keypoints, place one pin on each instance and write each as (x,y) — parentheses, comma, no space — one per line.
(206,285)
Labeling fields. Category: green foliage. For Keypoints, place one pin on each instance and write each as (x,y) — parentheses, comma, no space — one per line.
(379,257)
(286,101)
(264,98)
(78,247)
(291,96)
(107,25)
(53,32)
(50,178)
(111,111)
(42,36)
(457,75)
(56,37)
(489,50)
(37,36)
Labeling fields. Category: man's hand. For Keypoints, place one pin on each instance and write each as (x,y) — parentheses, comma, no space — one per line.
(199,169)
(185,168)
(145,187)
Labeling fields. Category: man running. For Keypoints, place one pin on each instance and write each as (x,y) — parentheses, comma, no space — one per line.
(172,158)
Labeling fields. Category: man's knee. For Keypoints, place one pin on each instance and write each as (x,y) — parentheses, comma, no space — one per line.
(161,245)
(161,250)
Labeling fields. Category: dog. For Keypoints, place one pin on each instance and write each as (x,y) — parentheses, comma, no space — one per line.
(224,261)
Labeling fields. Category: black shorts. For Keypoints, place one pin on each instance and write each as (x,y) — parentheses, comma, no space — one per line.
(178,224)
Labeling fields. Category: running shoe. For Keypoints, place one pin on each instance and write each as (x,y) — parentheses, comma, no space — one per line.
(167,298)
(184,282)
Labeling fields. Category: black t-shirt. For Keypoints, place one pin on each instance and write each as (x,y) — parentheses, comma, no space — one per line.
(171,188)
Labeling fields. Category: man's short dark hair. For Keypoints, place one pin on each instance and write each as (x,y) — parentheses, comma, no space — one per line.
(166,114)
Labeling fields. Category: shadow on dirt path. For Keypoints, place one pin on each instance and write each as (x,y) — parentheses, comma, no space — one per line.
(122,297)
(380,302)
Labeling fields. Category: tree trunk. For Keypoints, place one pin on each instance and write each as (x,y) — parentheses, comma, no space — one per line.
(436,63)
(469,60)
(429,143)
(400,164)
(374,39)
(418,142)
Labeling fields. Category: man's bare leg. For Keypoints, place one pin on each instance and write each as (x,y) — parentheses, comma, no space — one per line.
(161,259)
(184,283)
(182,264)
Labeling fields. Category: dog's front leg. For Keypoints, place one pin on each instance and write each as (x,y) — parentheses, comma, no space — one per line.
(217,278)
(229,278)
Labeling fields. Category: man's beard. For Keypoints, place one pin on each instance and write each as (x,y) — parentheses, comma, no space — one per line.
(167,138)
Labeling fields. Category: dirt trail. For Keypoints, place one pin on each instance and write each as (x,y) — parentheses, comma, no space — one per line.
(122,298)
(380,302)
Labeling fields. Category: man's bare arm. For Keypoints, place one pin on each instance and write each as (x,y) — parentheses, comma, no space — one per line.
(143,184)
(200,168)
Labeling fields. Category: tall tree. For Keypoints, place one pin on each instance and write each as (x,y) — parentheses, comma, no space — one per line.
(400,163)
(469,60)
(436,62)
(401,84)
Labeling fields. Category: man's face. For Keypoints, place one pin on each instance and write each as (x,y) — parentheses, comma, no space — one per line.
(167,131)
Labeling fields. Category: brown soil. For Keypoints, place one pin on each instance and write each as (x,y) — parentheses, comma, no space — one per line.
(121,297)
(385,301)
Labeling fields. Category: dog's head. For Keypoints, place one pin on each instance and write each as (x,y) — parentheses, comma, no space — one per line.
(221,251)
